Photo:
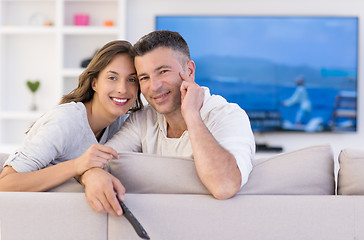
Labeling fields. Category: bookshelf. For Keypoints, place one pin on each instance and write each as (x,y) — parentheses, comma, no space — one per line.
(39,41)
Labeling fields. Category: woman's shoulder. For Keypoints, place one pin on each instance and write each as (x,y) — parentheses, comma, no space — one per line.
(63,115)
(67,111)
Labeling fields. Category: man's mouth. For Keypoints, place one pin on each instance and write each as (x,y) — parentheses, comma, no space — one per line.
(160,96)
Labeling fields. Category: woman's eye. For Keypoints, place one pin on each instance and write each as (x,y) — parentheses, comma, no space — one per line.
(113,78)
(132,80)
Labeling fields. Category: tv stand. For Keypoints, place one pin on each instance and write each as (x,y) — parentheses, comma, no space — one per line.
(262,147)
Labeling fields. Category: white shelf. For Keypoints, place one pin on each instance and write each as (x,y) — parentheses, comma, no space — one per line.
(27,30)
(87,30)
(26,115)
(27,1)
(88,1)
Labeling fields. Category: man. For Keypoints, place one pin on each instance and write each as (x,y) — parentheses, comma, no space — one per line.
(182,119)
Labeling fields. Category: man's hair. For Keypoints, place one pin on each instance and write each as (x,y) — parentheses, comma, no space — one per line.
(162,38)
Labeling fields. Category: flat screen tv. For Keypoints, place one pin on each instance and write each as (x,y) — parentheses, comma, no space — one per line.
(289,73)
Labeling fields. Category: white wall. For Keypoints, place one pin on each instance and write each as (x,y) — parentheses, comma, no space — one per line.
(141,20)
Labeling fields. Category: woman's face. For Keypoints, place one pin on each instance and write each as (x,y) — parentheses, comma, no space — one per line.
(116,87)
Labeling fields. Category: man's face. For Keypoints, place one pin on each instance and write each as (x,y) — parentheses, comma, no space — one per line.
(160,82)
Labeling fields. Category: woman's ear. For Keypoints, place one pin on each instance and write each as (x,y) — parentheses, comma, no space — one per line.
(93,84)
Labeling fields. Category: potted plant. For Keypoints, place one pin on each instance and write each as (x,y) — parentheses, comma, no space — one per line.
(33,87)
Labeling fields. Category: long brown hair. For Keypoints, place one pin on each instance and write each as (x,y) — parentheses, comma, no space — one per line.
(84,92)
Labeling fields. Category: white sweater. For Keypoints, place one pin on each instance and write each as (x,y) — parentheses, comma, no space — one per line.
(61,134)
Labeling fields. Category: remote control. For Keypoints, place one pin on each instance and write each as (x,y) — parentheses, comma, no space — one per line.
(133,221)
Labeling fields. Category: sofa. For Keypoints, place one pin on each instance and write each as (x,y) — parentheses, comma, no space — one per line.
(291,195)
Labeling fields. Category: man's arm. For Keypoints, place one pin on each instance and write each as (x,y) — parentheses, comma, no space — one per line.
(216,167)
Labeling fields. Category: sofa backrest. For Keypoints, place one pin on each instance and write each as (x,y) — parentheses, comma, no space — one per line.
(306,171)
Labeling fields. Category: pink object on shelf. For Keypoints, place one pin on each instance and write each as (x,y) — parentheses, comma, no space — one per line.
(81,19)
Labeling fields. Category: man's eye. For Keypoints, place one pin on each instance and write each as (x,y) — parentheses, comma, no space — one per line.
(164,71)
(143,78)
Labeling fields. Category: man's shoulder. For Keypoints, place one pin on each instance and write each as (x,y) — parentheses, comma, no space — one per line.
(218,104)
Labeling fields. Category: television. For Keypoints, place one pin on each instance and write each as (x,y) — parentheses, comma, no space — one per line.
(289,73)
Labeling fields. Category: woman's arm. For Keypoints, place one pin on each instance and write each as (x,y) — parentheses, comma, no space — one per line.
(41,180)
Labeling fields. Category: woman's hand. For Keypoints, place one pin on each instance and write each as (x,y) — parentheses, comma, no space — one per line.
(96,156)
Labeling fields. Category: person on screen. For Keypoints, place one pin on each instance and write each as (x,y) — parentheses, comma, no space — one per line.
(299,97)
(182,119)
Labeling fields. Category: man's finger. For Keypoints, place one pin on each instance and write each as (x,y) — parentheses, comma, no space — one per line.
(186,78)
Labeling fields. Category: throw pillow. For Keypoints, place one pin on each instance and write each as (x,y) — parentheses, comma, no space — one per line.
(147,173)
(351,172)
(306,171)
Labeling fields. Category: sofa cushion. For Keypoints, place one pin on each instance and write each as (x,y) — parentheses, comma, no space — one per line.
(72,185)
(307,171)
(351,172)
(148,173)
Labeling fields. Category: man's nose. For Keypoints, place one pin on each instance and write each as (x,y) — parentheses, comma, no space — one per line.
(155,83)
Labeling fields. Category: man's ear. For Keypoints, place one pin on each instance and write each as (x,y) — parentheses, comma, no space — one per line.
(191,68)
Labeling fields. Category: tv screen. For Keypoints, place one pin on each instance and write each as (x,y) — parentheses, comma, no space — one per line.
(288,73)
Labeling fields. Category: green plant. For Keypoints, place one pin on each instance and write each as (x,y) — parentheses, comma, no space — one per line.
(33,85)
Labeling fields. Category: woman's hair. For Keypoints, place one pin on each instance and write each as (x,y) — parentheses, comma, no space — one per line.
(84,92)
(162,38)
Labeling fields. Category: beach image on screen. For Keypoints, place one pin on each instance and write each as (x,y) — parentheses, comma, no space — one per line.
(287,73)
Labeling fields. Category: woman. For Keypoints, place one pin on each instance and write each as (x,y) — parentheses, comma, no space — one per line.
(67,141)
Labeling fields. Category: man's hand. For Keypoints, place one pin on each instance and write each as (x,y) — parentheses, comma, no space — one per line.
(192,96)
(100,188)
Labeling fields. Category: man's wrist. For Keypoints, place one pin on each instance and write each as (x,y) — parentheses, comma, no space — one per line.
(82,179)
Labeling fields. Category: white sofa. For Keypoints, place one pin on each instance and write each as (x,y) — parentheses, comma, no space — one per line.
(288,196)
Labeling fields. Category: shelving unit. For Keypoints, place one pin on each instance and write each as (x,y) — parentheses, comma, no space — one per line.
(39,41)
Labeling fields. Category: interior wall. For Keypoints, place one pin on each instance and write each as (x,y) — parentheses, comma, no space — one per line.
(141,20)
